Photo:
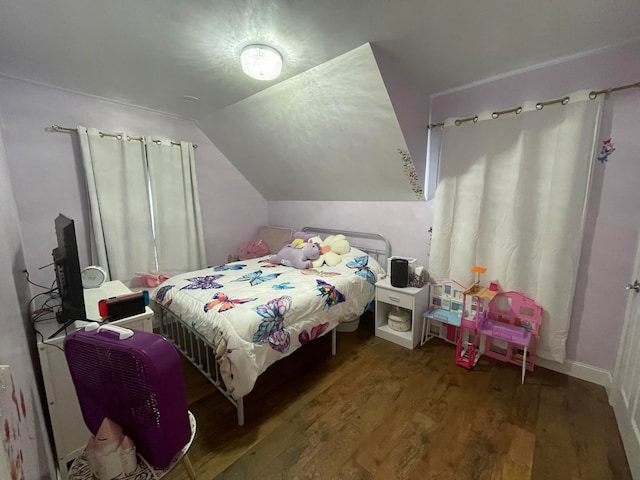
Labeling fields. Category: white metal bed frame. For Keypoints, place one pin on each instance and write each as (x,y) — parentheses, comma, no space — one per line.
(200,352)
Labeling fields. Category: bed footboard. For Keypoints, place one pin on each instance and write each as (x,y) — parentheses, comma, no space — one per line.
(200,352)
(197,350)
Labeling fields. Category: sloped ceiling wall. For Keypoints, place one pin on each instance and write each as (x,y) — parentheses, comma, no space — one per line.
(411,107)
(330,133)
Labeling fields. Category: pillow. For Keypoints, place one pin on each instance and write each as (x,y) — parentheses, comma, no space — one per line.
(275,237)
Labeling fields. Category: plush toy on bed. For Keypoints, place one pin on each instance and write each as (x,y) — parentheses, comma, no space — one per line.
(253,249)
(331,249)
(300,238)
(300,258)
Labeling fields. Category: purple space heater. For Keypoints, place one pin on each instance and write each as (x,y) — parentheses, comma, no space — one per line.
(136,382)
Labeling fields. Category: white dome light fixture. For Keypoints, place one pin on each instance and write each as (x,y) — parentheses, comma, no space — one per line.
(261,62)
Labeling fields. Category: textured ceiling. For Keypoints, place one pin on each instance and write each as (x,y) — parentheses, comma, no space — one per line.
(330,133)
(153,52)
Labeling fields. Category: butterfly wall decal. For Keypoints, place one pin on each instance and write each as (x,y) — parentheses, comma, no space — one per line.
(333,296)
(203,283)
(225,302)
(271,329)
(256,278)
(316,331)
(361,263)
(229,266)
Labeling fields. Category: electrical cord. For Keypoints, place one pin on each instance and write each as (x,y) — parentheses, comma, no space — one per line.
(43,341)
(46,312)
(45,306)
(26,273)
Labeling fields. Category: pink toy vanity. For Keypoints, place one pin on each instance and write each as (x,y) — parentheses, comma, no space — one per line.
(510,329)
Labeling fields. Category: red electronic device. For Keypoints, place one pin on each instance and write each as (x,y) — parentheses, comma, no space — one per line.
(123,306)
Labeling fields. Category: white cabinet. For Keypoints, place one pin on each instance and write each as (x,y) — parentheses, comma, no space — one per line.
(70,434)
(414,300)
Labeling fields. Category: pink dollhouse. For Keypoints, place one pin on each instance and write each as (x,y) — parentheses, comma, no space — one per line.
(479,320)
(510,329)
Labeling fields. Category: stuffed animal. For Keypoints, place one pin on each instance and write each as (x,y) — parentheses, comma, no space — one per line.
(331,249)
(300,258)
(300,238)
(253,249)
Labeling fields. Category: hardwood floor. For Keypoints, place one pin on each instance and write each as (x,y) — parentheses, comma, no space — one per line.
(380,411)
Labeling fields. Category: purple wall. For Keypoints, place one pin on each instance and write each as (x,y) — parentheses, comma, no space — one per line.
(614,211)
(26,449)
(39,178)
(613,216)
(44,169)
(405,224)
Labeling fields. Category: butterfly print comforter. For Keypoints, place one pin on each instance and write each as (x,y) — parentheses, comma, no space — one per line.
(255,313)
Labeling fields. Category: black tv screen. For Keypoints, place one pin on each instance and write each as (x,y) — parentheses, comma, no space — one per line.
(68,274)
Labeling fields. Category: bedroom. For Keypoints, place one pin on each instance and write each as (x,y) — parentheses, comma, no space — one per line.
(36,185)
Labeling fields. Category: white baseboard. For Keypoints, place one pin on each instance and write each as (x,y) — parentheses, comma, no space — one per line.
(580,370)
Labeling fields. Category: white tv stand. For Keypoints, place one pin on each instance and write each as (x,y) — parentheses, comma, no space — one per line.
(70,434)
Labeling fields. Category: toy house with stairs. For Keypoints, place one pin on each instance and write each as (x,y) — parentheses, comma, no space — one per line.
(475,309)
(442,320)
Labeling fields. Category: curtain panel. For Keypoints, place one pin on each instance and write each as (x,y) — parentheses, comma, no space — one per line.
(121,235)
(176,207)
(144,205)
(511,196)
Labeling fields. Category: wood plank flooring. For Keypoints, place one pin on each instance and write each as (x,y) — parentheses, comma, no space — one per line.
(379,411)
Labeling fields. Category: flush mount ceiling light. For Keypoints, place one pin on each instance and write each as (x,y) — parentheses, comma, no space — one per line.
(261,62)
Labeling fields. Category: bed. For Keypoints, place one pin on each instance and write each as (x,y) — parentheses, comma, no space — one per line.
(235,320)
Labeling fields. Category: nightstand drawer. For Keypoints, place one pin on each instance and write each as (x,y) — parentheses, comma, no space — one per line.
(395,298)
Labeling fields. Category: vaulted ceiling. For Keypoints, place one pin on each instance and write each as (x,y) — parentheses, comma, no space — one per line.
(330,133)
(153,53)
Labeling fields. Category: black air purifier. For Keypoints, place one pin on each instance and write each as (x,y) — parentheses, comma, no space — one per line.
(399,272)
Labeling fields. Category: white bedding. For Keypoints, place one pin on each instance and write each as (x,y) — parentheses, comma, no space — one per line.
(255,313)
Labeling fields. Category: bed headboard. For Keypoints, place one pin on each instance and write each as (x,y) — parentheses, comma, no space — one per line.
(374,244)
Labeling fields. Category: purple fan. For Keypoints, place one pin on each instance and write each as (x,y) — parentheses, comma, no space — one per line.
(136,382)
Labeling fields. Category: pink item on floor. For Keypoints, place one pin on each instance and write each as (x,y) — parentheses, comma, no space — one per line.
(512,329)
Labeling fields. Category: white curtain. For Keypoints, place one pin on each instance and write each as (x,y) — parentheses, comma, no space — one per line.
(176,207)
(511,197)
(122,238)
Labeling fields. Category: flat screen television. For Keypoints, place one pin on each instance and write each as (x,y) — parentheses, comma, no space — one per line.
(68,274)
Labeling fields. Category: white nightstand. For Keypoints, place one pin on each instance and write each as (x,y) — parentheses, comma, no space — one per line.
(416,300)
(70,434)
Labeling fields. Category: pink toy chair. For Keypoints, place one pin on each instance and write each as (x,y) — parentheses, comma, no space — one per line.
(135,379)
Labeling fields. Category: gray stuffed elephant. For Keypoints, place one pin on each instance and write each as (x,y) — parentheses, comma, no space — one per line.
(297,257)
